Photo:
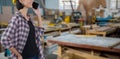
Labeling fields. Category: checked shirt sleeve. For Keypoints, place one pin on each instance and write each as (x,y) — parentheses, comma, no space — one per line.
(8,35)
(39,31)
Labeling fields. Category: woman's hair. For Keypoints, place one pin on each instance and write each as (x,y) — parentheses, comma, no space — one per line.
(19,5)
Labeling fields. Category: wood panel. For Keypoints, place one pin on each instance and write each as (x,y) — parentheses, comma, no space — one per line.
(7,14)
(101,2)
(81,55)
(89,5)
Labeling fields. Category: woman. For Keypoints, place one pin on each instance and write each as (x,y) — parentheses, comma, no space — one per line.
(21,37)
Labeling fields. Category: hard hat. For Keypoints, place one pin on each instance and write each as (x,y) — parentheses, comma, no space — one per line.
(14,2)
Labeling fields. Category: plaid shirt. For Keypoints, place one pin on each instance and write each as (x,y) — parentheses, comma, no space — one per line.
(16,35)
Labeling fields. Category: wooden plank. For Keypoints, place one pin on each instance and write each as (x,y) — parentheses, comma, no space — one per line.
(86,35)
(82,54)
(59,52)
(101,31)
(97,33)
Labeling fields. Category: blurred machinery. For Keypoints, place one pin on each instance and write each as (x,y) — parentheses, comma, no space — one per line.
(57,19)
(76,16)
(102,21)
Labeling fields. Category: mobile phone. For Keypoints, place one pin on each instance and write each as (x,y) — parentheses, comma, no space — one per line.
(35,5)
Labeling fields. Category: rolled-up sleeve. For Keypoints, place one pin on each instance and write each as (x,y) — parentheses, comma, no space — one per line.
(39,31)
(7,37)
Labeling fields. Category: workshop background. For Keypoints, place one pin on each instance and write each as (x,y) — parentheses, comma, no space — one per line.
(74,29)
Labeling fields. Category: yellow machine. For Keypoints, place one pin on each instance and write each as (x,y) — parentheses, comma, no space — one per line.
(67,19)
(58,19)
(51,24)
(93,19)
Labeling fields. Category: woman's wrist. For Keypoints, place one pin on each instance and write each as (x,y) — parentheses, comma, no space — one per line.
(15,51)
(39,16)
(18,55)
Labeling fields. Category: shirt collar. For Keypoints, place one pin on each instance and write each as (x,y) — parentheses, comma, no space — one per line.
(19,14)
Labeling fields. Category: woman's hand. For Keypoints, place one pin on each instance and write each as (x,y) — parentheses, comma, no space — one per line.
(37,12)
(20,57)
(12,49)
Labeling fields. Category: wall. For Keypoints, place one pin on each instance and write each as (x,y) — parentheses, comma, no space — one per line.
(9,3)
(7,14)
(52,4)
(108,3)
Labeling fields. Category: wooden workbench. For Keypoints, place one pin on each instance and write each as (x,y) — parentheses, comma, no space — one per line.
(91,43)
(101,31)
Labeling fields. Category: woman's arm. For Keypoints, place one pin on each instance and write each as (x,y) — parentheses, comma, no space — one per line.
(40,30)
(40,23)
(7,38)
(37,12)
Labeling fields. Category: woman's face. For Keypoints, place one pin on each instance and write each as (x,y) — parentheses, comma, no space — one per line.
(27,3)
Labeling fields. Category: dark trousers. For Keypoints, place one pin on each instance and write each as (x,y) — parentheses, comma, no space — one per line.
(34,57)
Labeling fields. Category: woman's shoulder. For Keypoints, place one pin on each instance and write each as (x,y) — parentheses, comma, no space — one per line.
(16,17)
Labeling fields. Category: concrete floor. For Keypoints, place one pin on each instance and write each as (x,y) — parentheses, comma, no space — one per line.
(50,56)
(2,56)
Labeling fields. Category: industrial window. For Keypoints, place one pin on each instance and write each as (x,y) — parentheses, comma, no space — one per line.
(115,4)
(0,9)
(65,4)
(118,4)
